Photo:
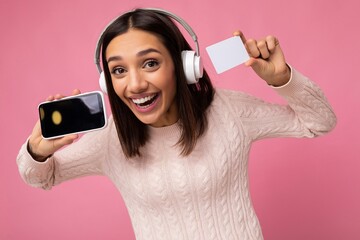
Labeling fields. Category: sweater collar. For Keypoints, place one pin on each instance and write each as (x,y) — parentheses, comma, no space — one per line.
(170,132)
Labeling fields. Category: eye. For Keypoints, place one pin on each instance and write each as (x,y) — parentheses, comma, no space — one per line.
(152,63)
(118,71)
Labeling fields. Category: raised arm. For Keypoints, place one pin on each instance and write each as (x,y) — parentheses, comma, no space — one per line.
(308,112)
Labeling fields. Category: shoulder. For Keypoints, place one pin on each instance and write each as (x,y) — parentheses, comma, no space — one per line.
(233,95)
(226,103)
(240,105)
(111,132)
(235,100)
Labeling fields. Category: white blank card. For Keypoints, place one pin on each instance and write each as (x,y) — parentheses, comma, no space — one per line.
(227,54)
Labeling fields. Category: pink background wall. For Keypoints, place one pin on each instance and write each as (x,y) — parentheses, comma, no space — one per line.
(301,188)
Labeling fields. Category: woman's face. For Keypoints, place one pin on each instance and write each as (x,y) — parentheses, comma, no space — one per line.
(143,76)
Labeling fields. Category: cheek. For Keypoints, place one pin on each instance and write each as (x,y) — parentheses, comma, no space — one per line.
(169,80)
(170,91)
(172,85)
(119,89)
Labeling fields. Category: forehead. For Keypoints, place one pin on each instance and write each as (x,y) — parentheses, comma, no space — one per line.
(134,41)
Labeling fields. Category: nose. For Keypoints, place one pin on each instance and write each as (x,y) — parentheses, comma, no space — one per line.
(136,82)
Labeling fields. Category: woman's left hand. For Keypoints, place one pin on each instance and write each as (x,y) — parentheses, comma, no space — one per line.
(267,59)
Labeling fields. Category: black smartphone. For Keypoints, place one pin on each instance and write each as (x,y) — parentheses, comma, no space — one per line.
(76,114)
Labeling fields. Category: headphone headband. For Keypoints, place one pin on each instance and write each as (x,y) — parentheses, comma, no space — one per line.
(156,10)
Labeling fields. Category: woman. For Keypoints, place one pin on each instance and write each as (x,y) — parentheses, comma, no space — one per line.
(178,153)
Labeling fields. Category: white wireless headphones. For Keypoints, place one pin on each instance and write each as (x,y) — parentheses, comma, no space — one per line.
(193,67)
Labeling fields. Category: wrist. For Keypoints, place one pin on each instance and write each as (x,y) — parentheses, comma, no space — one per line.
(34,155)
(283,78)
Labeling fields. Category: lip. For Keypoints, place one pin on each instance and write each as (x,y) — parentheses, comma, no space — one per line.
(147,109)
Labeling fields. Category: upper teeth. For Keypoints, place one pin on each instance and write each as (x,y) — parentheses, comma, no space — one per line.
(144,99)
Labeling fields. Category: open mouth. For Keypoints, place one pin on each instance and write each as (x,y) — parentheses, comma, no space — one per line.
(145,102)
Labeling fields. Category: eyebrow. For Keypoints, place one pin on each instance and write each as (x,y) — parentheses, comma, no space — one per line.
(139,54)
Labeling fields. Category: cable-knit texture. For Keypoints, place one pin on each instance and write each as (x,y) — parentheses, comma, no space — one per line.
(201,196)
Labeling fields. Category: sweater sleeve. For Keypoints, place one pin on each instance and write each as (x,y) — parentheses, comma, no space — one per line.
(308,113)
(82,158)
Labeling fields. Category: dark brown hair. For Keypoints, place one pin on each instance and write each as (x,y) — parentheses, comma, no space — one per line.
(192,100)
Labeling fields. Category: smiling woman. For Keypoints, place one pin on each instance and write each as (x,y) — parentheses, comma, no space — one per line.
(178,152)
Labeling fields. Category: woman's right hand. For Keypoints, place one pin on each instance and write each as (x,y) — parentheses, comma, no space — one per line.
(39,148)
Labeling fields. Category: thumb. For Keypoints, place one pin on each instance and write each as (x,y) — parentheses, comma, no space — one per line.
(261,67)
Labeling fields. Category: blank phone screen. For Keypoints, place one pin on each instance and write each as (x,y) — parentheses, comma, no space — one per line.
(72,115)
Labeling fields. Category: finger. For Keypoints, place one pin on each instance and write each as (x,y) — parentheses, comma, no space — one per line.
(260,66)
(251,46)
(36,132)
(263,48)
(257,64)
(272,42)
(76,92)
(250,62)
(58,96)
(50,98)
(61,142)
(240,34)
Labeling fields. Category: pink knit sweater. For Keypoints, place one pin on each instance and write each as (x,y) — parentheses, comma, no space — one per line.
(206,194)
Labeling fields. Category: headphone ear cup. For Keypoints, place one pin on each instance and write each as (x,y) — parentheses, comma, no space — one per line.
(193,67)
(102,82)
(198,67)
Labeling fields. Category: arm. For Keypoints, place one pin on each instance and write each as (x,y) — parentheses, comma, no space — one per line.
(82,158)
(308,113)
(42,165)
(308,104)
